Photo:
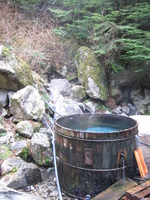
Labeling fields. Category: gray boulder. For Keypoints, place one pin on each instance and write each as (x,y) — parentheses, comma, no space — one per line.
(25,129)
(41,148)
(18,173)
(63,106)
(66,106)
(27,104)
(62,85)
(18,146)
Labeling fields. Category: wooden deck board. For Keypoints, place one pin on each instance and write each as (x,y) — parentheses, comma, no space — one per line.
(139,192)
(116,191)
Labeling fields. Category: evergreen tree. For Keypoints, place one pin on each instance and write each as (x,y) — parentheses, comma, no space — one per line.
(118,31)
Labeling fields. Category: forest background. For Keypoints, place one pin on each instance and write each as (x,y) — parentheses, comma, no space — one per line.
(47,33)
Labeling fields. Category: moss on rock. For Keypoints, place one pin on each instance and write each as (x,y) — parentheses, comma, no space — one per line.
(5,152)
(89,67)
(25,154)
(14,73)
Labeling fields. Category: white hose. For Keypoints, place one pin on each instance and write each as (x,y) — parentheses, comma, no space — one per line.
(55,163)
(53,142)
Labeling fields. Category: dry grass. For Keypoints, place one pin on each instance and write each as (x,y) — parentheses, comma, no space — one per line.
(30,36)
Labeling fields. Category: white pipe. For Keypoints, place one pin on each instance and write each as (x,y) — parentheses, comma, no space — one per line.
(55,163)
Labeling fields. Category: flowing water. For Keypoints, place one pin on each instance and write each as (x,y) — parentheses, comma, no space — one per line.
(123,175)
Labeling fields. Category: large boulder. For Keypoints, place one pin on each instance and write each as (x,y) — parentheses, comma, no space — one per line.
(20,148)
(63,106)
(14,73)
(27,104)
(18,173)
(41,147)
(62,85)
(91,74)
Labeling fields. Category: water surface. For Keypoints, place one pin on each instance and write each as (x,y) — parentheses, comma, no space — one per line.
(102,129)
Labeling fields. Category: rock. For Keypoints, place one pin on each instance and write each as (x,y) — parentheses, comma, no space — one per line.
(116,94)
(48,133)
(66,106)
(27,104)
(133,109)
(8,193)
(10,93)
(3,112)
(14,73)
(41,148)
(3,97)
(63,106)
(91,74)
(40,83)
(5,152)
(17,173)
(6,137)
(78,93)
(84,108)
(126,110)
(117,110)
(55,95)
(18,146)
(36,125)
(92,105)
(141,100)
(25,129)
(62,85)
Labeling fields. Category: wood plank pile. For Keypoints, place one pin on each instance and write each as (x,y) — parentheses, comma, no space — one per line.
(116,191)
(139,192)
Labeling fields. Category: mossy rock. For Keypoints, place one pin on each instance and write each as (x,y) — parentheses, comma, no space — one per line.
(91,74)
(14,73)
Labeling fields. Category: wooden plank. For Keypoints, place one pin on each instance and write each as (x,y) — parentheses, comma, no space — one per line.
(133,192)
(124,198)
(140,162)
(116,191)
(142,194)
(138,188)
